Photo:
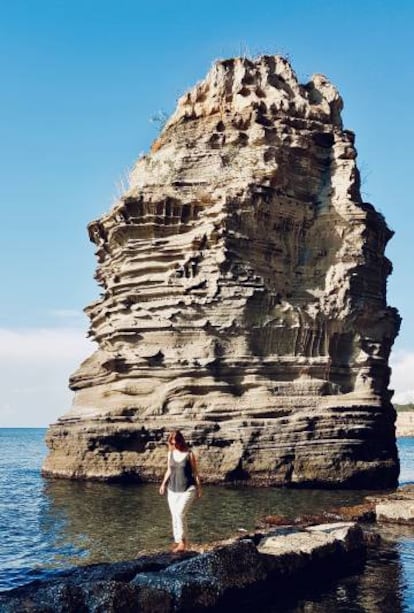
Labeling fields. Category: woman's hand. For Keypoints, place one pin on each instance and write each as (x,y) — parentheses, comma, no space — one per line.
(162,489)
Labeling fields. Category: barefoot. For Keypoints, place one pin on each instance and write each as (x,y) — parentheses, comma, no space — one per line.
(180,547)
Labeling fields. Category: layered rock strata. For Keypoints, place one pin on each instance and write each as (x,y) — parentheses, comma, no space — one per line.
(244,298)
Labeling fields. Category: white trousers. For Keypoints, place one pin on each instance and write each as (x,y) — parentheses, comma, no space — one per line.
(179,503)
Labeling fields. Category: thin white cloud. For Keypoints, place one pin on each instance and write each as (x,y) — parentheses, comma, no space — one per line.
(65,313)
(402,378)
(35,365)
(43,343)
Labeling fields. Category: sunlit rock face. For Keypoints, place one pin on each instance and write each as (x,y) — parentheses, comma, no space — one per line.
(244,298)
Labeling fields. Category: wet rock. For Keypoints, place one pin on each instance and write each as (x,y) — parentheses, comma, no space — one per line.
(61,597)
(238,573)
(205,580)
(96,587)
(107,597)
(125,571)
(301,520)
(277,520)
(358,513)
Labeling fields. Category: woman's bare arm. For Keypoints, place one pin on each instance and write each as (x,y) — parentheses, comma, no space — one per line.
(195,473)
(166,477)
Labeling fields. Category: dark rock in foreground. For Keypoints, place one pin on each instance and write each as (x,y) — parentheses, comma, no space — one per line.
(270,568)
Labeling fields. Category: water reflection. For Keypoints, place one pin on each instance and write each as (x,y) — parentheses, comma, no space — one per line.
(48,525)
(380,588)
(102,522)
(94,522)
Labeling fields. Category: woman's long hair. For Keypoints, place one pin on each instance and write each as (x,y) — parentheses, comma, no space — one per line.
(177,440)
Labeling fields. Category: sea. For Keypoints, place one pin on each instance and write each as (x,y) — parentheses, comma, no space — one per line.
(47,525)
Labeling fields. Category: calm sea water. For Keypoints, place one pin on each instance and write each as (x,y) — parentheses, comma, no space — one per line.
(46,525)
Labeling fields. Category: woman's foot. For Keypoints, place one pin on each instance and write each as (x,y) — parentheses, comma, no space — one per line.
(181,546)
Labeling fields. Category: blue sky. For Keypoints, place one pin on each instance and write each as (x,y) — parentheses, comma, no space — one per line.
(80,81)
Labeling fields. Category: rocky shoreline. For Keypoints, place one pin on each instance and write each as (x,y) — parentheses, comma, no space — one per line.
(262,568)
(274,565)
(405,423)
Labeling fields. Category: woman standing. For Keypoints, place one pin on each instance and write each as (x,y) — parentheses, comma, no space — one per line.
(183,486)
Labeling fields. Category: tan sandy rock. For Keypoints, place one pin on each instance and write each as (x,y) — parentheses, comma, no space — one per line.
(396,507)
(243,298)
(405,423)
(398,511)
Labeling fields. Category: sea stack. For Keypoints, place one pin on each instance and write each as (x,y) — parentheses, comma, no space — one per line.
(243,299)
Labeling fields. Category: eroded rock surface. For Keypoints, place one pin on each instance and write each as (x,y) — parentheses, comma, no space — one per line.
(244,298)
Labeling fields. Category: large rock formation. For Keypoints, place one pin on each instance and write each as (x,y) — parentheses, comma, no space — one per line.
(244,298)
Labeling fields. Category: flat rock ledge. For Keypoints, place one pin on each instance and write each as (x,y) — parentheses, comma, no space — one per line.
(396,508)
(393,508)
(405,423)
(271,567)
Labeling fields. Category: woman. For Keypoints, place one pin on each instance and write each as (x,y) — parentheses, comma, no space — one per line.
(183,486)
